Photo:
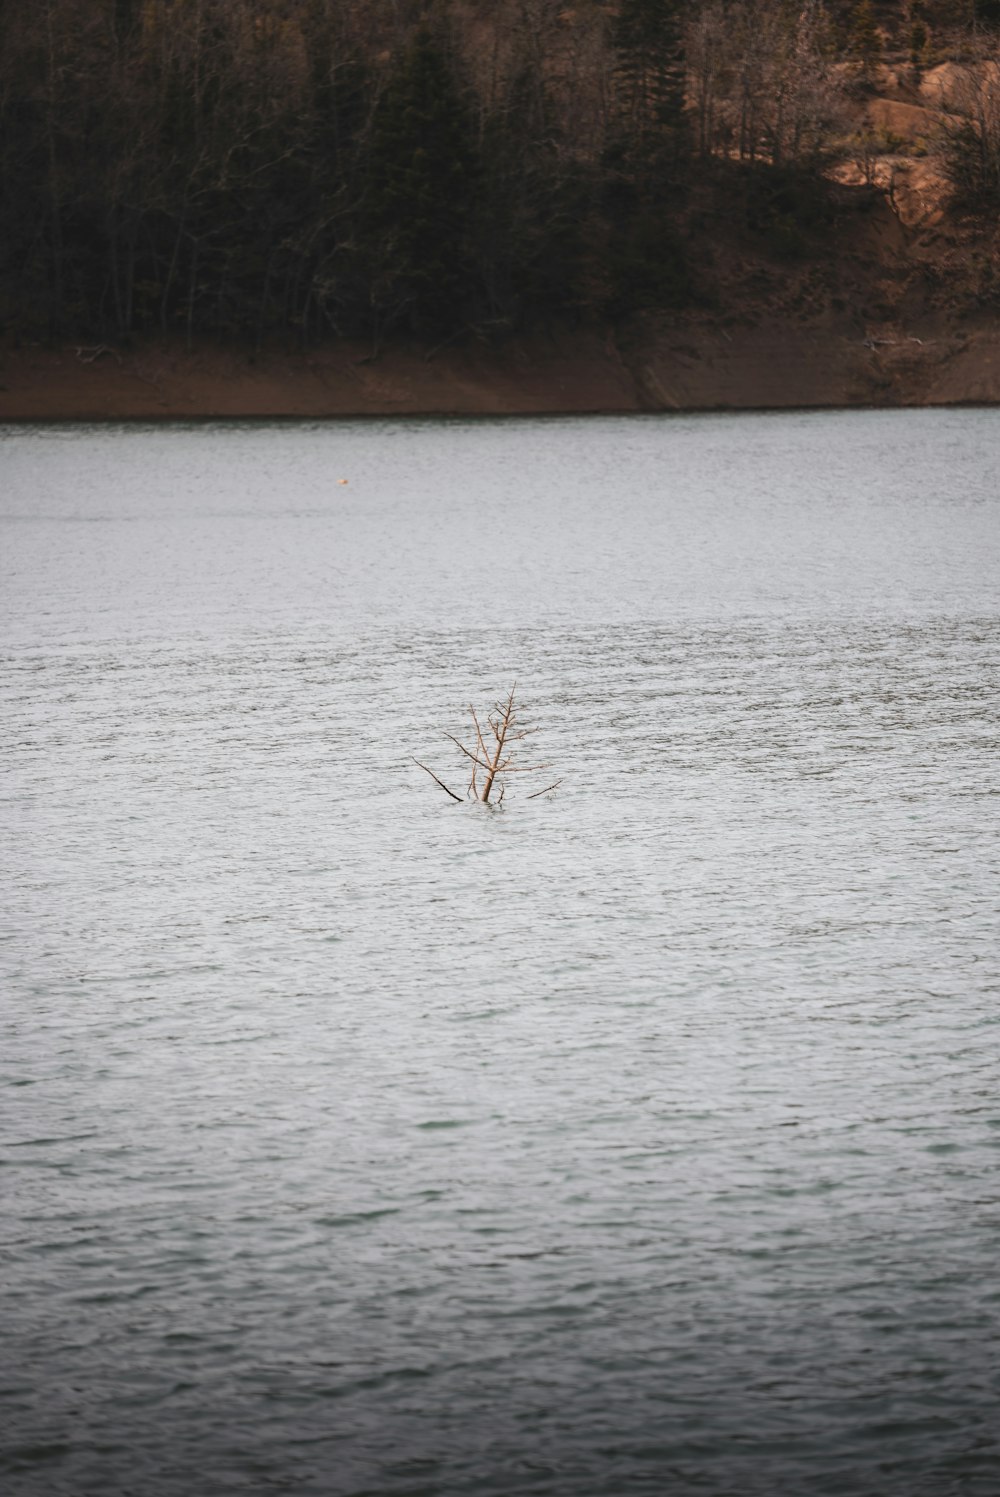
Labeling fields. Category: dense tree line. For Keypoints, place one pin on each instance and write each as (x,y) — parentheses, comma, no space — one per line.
(348,167)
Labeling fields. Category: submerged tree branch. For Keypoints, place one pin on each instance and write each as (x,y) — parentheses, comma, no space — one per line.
(495,761)
(434,777)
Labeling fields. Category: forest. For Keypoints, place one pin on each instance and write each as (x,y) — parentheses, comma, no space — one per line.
(314,169)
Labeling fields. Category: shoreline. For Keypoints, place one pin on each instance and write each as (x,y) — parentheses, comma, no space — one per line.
(655,364)
(285,418)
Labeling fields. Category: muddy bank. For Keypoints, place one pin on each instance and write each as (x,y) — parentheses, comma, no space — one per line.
(654,364)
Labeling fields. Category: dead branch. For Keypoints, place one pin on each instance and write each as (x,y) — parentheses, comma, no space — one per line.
(495,760)
(434,777)
(89,355)
(536,793)
(483,763)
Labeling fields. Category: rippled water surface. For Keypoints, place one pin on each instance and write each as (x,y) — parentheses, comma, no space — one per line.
(639,1138)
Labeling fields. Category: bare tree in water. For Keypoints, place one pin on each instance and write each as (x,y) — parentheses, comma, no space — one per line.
(492,754)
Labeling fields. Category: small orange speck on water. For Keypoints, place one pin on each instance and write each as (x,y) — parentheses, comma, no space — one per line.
(342,480)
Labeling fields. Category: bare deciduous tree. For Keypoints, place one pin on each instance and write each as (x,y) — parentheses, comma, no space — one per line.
(972,143)
(492,754)
(709,64)
(762,84)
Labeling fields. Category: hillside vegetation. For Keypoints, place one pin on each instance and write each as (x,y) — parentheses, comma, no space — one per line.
(306,170)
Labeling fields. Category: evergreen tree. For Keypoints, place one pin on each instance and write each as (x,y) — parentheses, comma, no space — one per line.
(866,39)
(919,41)
(420,197)
(649,79)
(649,146)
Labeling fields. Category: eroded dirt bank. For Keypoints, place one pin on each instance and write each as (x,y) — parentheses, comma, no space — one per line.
(659,363)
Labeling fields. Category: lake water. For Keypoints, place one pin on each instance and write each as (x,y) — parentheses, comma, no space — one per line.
(638,1138)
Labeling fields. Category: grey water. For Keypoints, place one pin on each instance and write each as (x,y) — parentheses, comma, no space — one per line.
(638,1138)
